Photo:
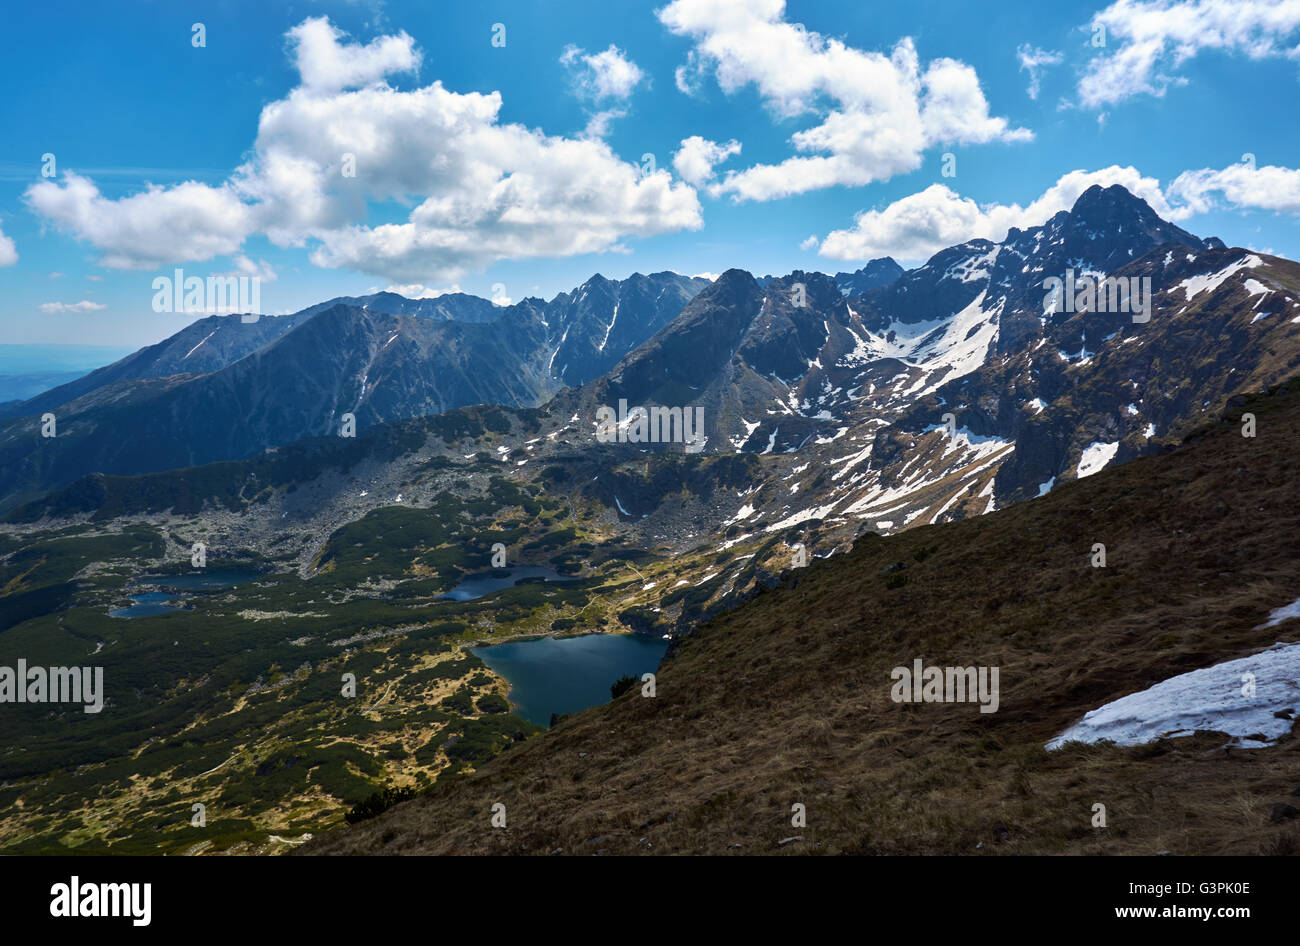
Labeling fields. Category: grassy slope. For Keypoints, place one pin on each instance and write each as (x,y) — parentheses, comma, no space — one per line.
(786,699)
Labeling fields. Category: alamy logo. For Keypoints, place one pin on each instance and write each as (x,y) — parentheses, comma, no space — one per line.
(1088,293)
(945,685)
(78,899)
(54,685)
(216,295)
(683,425)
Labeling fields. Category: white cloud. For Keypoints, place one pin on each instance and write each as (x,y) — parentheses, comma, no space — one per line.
(913,228)
(190,221)
(260,269)
(1033,60)
(504,192)
(916,227)
(689,77)
(421,291)
(8,252)
(878,114)
(695,160)
(480,190)
(1240,186)
(599,122)
(810,243)
(601,76)
(85,305)
(327,65)
(1153,38)
(954,110)
(418,290)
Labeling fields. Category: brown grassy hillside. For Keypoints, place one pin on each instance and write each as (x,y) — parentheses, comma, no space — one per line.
(786,699)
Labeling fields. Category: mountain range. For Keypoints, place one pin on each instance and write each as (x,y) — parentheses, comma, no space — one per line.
(948,391)
(227,387)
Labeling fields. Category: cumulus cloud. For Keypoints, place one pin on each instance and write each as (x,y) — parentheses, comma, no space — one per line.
(260,269)
(689,77)
(85,305)
(919,225)
(1148,40)
(480,190)
(1033,60)
(325,64)
(695,160)
(599,122)
(190,221)
(509,193)
(878,114)
(1241,186)
(8,252)
(601,76)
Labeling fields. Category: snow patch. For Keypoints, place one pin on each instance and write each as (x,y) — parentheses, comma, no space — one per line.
(196,347)
(744,512)
(1209,699)
(609,328)
(1208,282)
(1095,456)
(739,440)
(1284,613)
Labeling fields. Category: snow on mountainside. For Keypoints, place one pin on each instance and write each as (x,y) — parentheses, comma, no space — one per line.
(955,389)
(1211,699)
(848,395)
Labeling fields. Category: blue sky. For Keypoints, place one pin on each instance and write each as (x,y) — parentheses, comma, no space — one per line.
(517,169)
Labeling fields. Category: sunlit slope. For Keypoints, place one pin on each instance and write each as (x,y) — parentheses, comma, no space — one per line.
(786,699)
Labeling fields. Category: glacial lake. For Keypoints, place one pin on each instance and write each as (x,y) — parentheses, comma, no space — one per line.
(486,583)
(173,597)
(202,581)
(563,675)
(147,604)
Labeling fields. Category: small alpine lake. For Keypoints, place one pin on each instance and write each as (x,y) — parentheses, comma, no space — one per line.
(566,674)
(486,583)
(170,597)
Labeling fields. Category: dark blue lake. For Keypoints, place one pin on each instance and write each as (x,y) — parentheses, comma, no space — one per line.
(202,581)
(563,675)
(147,604)
(150,603)
(486,583)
